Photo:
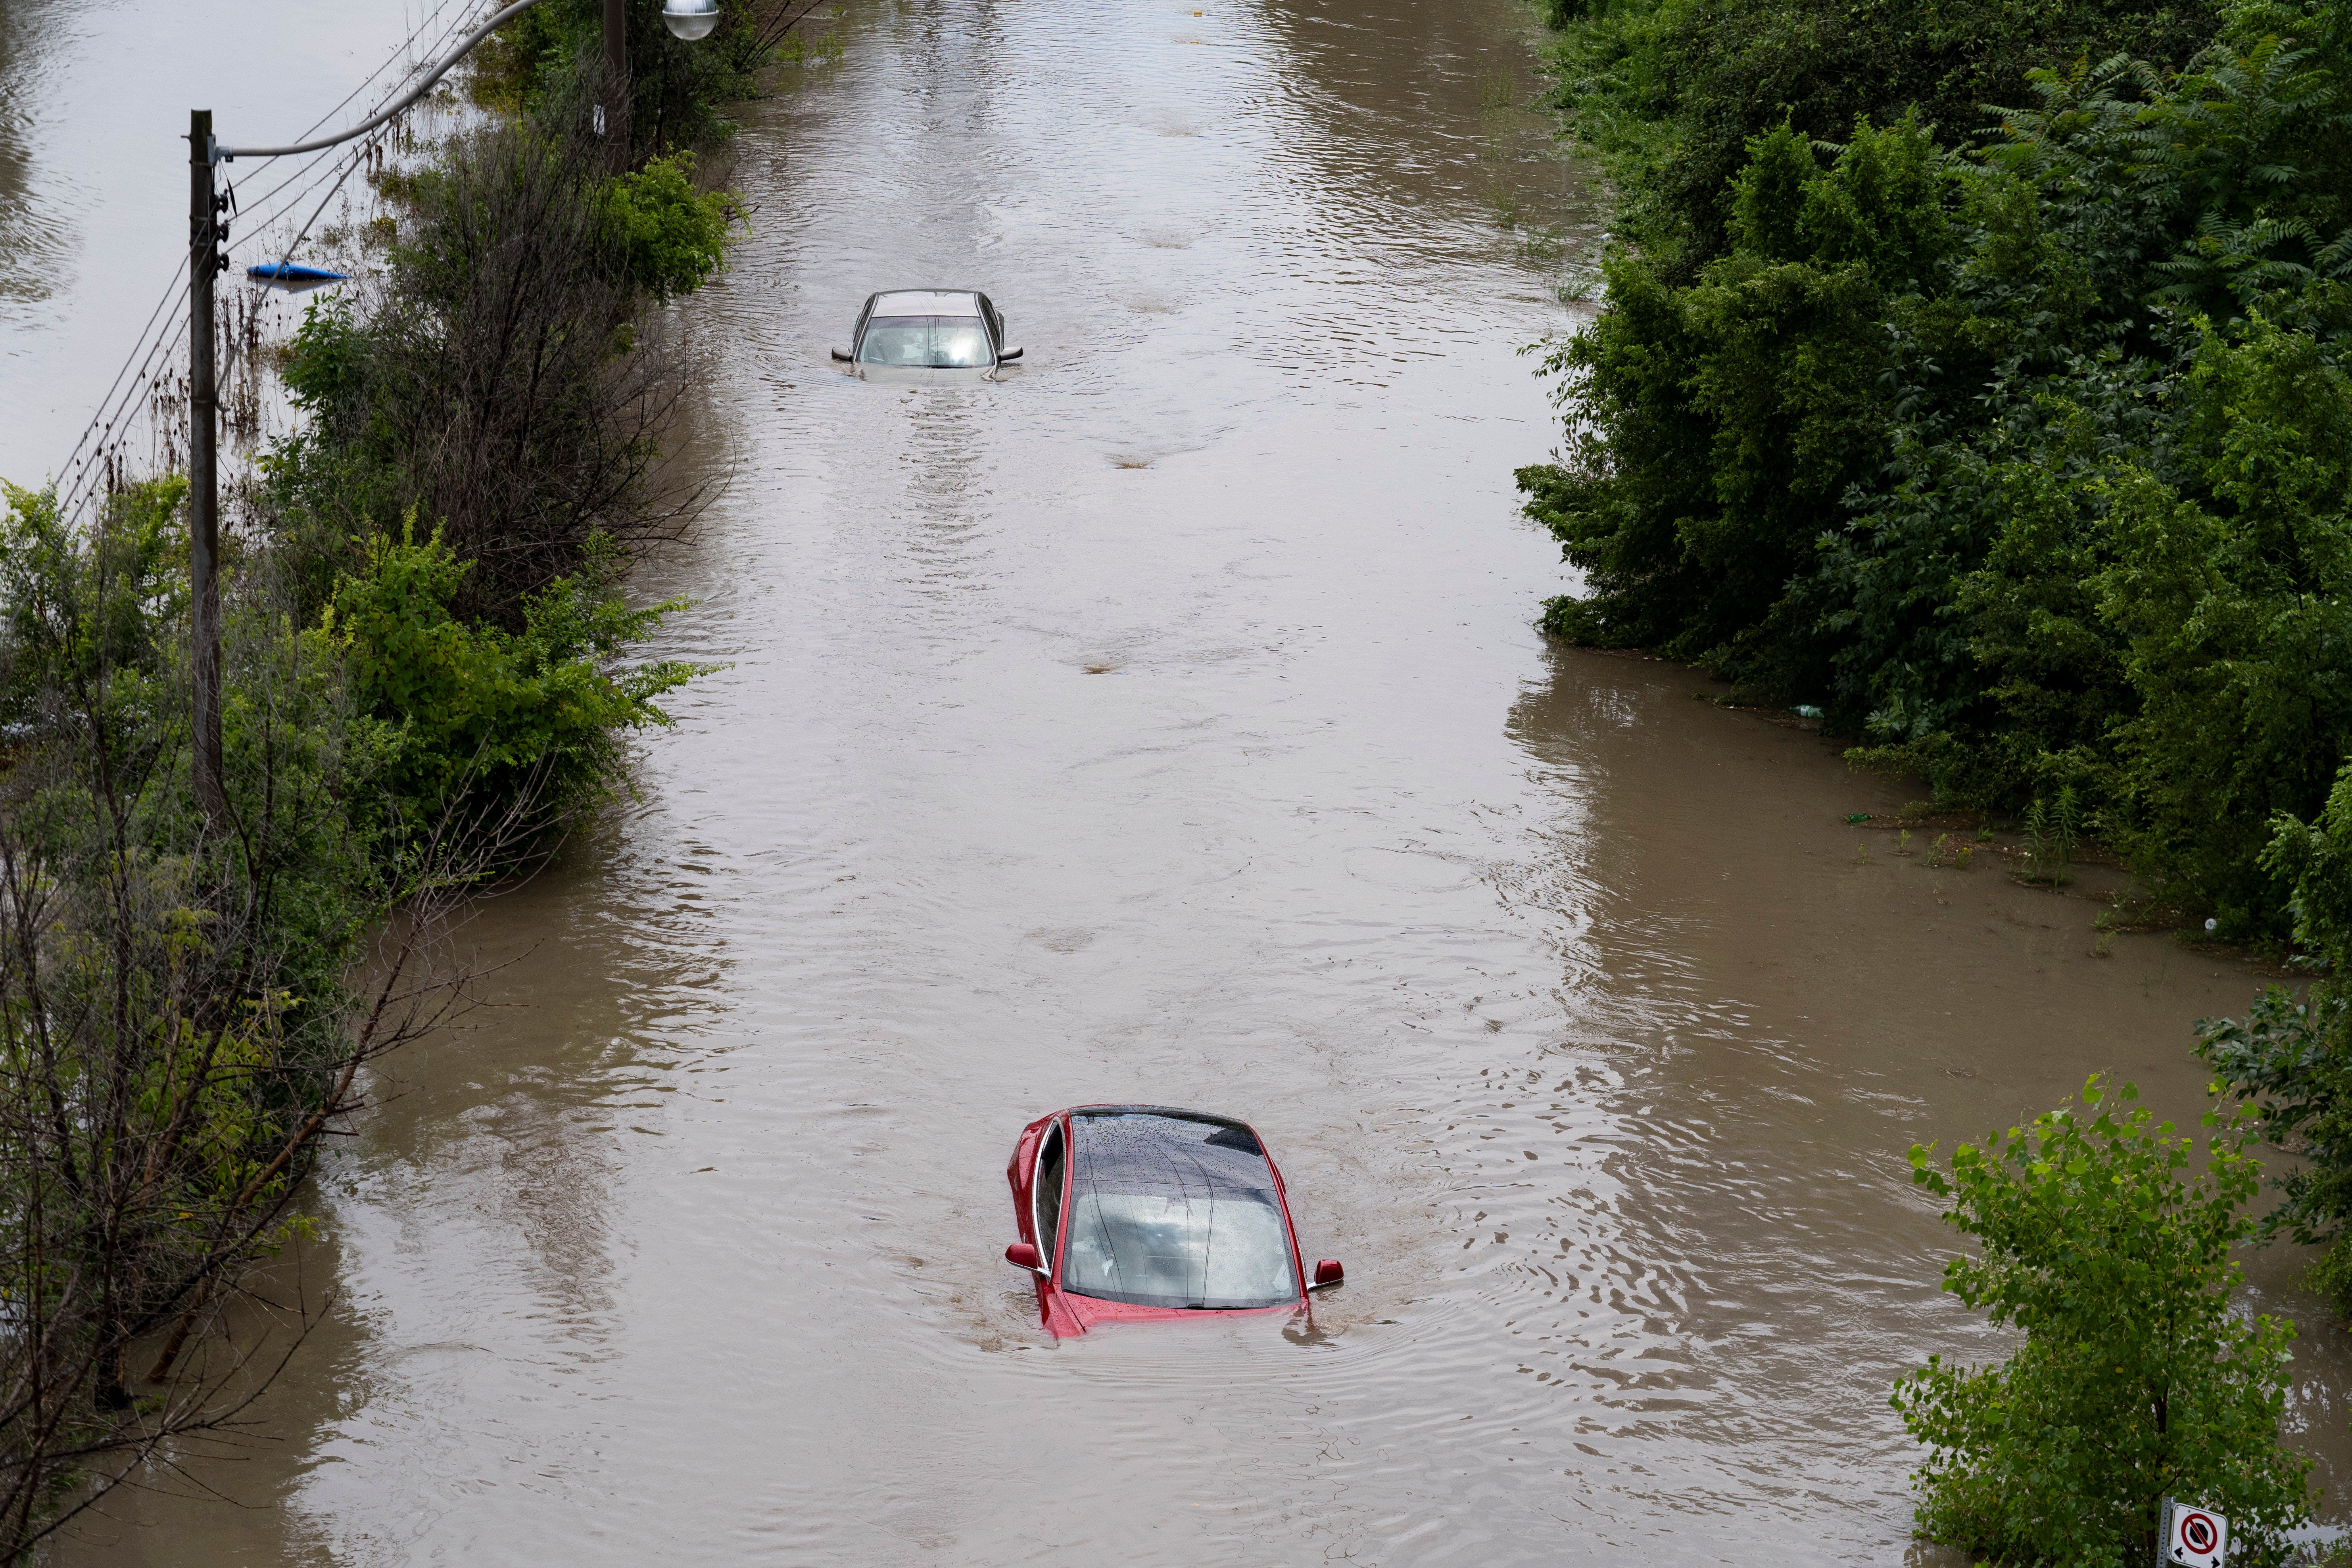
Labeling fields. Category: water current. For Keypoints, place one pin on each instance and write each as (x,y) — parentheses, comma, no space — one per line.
(1162,723)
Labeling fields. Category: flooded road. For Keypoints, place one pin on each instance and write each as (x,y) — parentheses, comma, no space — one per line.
(1164,723)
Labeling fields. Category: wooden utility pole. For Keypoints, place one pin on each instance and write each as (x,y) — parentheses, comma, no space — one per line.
(206,236)
(616,73)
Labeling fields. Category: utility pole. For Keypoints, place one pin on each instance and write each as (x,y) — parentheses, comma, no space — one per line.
(616,73)
(207,239)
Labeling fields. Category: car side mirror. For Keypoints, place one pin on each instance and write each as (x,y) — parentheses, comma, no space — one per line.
(1328,1273)
(841,354)
(1008,354)
(1021,1255)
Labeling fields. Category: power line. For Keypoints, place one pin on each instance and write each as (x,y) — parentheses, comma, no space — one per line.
(80,489)
(142,351)
(173,292)
(143,354)
(438,71)
(406,44)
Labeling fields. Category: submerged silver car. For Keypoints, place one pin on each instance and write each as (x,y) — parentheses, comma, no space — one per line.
(928,329)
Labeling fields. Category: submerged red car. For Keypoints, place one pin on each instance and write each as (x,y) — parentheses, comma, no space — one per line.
(1130,1212)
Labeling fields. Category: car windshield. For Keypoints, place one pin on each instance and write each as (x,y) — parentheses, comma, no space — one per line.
(933,343)
(1167,1212)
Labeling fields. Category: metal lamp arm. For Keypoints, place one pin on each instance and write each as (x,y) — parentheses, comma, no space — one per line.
(221,154)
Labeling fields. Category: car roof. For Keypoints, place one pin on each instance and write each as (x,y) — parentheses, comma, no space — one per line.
(928,302)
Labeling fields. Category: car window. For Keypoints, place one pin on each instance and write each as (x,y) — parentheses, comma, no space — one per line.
(930,343)
(1167,1212)
(1047,1190)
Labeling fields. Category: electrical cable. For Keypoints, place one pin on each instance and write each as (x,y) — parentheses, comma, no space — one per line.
(321,208)
(81,485)
(172,290)
(143,354)
(406,44)
(358,157)
(484,31)
(142,351)
(359,154)
(310,173)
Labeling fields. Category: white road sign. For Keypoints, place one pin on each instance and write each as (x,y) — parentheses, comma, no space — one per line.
(2193,1537)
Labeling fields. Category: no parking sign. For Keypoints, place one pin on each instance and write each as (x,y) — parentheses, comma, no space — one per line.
(2192,1537)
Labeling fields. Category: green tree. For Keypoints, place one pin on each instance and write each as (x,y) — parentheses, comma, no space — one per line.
(2134,1379)
(2024,459)
(1673,93)
(2233,609)
(1719,425)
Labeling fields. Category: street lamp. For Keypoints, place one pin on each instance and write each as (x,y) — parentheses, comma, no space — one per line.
(690,19)
(207,254)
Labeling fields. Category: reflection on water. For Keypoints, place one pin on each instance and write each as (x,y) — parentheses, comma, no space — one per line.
(1162,723)
(31,250)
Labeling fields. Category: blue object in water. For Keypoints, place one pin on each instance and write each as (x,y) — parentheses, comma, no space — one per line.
(295,272)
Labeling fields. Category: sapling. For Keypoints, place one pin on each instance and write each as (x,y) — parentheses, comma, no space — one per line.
(2133,1380)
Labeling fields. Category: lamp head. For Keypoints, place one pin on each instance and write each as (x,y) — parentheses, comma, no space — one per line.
(690,19)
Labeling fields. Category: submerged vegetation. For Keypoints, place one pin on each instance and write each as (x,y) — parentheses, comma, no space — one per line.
(2291,1059)
(186,1005)
(424,678)
(1976,373)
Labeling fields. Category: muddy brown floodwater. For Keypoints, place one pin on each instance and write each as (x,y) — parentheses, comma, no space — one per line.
(1164,723)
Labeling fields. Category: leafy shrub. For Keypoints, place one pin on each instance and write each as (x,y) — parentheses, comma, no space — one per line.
(469,715)
(2134,1379)
(673,235)
(2291,1060)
